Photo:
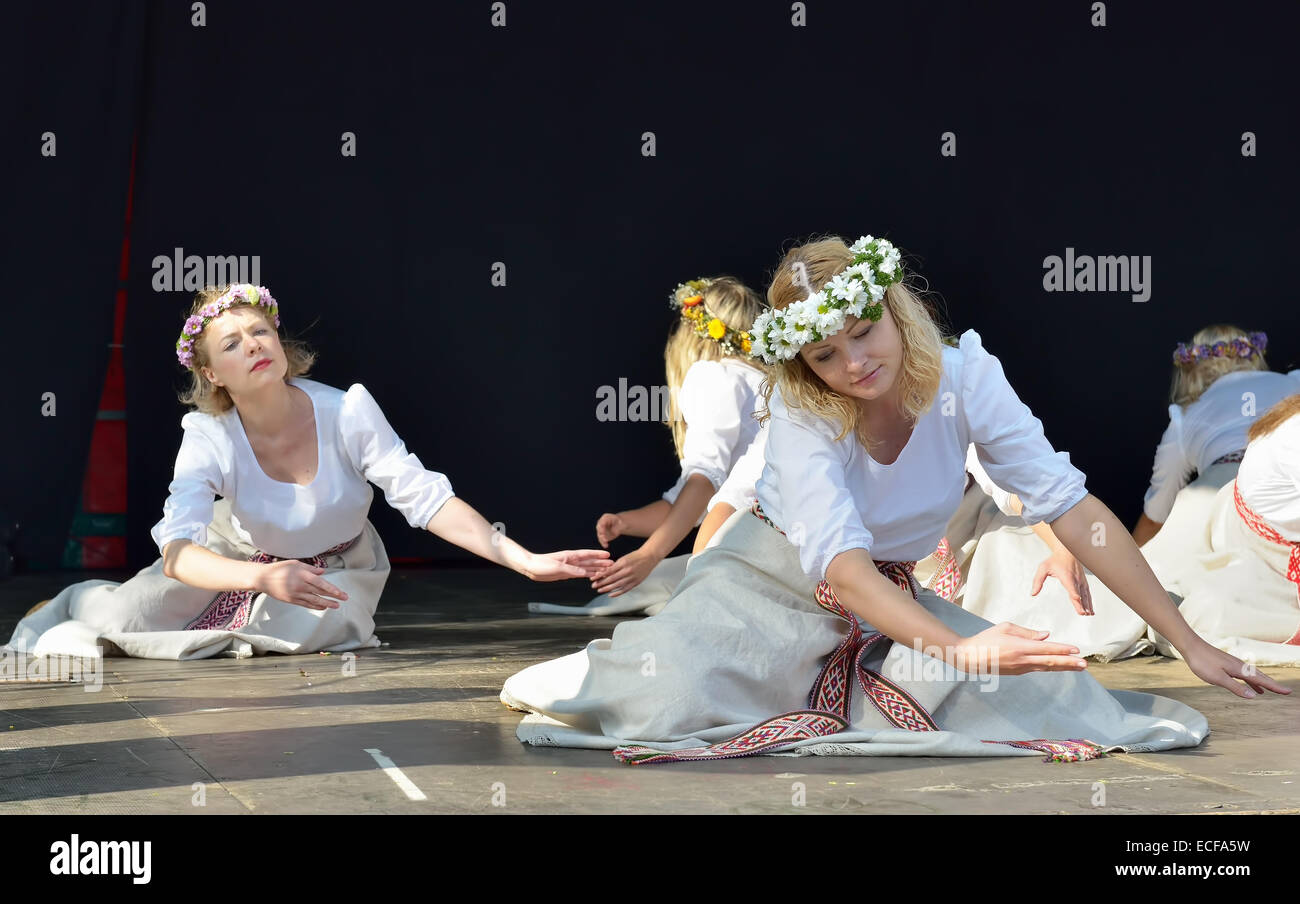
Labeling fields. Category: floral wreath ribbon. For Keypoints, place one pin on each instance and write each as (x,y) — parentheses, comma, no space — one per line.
(856,290)
(239,294)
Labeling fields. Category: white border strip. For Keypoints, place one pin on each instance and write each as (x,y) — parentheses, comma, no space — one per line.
(397,775)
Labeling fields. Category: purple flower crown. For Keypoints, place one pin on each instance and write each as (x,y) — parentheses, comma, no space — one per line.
(243,293)
(1231,348)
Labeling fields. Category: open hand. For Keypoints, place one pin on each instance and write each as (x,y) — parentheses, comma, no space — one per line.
(565,564)
(291,581)
(1213,666)
(626,573)
(1070,572)
(1007,649)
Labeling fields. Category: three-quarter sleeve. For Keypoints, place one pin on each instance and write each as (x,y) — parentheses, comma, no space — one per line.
(1010,442)
(806,467)
(381,457)
(737,490)
(712,402)
(202,463)
(1001,498)
(1170,472)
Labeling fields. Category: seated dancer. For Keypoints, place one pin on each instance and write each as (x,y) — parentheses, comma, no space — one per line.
(1243,596)
(1218,385)
(761,646)
(286,561)
(713,390)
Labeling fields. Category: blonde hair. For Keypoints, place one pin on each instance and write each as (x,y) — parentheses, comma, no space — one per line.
(914,315)
(1272,419)
(736,305)
(206,396)
(1192,379)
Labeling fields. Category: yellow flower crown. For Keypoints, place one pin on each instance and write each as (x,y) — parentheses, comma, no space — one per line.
(688,298)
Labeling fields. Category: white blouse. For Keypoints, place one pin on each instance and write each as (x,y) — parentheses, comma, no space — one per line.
(1209,428)
(355,444)
(738,490)
(1269,479)
(830,496)
(717,400)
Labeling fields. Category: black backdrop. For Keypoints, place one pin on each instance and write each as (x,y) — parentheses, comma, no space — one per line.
(477,144)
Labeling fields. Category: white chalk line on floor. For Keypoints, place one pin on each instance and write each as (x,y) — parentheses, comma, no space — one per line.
(397,775)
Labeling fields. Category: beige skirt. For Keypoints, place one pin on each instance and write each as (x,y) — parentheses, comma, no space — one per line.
(147,616)
(743,640)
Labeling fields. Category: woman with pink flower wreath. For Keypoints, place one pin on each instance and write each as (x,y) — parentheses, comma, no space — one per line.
(286,560)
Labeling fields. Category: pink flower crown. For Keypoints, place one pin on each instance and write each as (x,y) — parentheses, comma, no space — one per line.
(243,293)
(1254,343)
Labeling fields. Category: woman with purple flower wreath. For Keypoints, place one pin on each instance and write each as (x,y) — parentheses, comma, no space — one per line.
(286,560)
(1221,384)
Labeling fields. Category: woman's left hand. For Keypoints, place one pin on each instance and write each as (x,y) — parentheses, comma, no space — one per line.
(1070,572)
(626,573)
(566,564)
(1213,666)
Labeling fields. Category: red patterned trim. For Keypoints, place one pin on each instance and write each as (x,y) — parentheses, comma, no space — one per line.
(231,609)
(1073,750)
(1230,457)
(830,699)
(1266,530)
(947,578)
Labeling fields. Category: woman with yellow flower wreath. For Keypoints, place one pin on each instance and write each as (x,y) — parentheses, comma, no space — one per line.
(714,387)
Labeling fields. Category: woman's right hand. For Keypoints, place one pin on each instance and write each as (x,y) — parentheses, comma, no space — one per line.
(608,527)
(292,581)
(1007,649)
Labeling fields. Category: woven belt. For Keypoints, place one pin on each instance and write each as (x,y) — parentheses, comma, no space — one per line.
(830,697)
(231,609)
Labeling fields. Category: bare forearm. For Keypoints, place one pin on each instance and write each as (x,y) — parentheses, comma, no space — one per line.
(862,589)
(642,522)
(716,517)
(690,504)
(459,523)
(200,567)
(1092,533)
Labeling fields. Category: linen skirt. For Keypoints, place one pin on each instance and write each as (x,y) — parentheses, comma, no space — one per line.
(149,615)
(743,640)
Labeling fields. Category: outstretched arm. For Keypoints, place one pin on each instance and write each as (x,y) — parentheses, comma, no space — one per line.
(457,522)
(1006,649)
(632,569)
(1097,539)
(639,522)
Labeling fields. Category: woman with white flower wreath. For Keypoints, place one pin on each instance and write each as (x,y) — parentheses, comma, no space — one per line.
(810,593)
(713,388)
(286,561)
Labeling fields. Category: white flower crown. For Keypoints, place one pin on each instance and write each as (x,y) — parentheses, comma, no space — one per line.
(857,290)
